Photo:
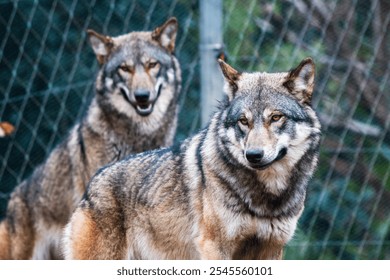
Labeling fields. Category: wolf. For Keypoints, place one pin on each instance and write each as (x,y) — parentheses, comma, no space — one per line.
(235,190)
(134,109)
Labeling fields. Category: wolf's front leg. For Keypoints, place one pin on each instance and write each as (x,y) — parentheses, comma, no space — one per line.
(212,243)
(271,253)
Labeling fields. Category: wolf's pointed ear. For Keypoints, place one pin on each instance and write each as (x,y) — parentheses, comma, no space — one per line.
(300,81)
(166,34)
(231,76)
(101,45)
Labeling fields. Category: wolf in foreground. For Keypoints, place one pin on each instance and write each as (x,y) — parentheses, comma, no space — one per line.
(134,109)
(235,190)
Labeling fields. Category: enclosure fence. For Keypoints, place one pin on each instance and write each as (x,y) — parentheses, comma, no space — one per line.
(47,71)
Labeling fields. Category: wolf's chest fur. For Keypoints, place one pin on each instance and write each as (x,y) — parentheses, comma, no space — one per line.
(261,237)
(255,236)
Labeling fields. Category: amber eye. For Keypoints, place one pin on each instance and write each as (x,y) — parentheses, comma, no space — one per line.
(152,64)
(243,121)
(276,118)
(126,68)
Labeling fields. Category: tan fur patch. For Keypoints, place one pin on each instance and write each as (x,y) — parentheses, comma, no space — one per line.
(210,232)
(92,242)
(86,235)
(4,242)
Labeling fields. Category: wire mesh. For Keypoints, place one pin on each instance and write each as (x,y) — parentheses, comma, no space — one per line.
(47,74)
(48,70)
(347,214)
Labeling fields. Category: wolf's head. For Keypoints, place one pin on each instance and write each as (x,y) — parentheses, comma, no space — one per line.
(139,73)
(267,117)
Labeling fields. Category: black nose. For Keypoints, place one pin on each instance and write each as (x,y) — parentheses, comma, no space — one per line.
(254,156)
(142,96)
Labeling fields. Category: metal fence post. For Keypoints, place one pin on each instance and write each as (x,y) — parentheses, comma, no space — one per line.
(211,43)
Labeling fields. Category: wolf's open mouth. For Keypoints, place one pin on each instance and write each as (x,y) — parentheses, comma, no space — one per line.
(144,109)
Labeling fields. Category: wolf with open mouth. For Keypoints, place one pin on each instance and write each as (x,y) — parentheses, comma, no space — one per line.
(134,109)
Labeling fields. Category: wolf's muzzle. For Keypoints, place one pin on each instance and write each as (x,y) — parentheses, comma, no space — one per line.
(143,104)
(141,100)
(254,157)
(142,96)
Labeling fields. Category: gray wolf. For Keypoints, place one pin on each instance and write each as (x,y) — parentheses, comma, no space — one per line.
(134,109)
(235,190)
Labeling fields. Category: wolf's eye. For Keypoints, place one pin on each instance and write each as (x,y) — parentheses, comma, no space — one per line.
(276,118)
(152,64)
(126,68)
(243,121)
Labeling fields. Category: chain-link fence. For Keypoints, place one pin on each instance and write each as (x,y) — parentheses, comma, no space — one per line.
(47,72)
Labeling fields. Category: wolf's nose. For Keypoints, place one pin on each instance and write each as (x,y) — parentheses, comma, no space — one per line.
(254,156)
(142,96)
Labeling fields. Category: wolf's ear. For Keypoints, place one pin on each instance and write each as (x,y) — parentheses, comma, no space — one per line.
(166,34)
(300,81)
(231,78)
(101,45)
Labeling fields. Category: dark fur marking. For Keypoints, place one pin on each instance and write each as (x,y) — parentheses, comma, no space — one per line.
(289,85)
(82,145)
(224,103)
(199,158)
(296,189)
(248,249)
(185,188)
(241,206)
